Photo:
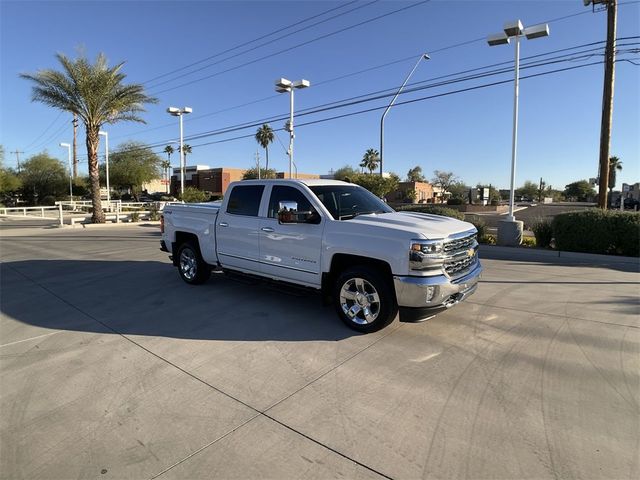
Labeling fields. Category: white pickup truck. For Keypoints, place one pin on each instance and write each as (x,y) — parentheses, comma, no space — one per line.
(333,236)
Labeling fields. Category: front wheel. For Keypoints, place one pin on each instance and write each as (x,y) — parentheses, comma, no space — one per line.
(193,269)
(364,300)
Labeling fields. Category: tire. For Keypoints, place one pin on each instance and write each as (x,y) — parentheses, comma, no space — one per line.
(192,268)
(364,300)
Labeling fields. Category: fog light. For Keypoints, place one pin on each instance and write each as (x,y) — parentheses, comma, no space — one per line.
(431,291)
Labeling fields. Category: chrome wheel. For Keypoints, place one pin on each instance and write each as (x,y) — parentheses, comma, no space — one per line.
(360,301)
(188,264)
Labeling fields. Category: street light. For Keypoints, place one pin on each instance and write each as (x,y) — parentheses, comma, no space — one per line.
(284,85)
(106,160)
(177,112)
(424,56)
(68,146)
(510,230)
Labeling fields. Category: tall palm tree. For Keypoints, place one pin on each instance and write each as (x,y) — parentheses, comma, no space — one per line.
(614,164)
(187,151)
(264,136)
(166,165)
(370,160)
(169,151)
(97,95)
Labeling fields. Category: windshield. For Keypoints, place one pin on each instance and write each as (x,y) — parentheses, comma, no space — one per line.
(349,201)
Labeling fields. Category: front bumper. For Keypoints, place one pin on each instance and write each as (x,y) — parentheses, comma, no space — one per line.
(429,295)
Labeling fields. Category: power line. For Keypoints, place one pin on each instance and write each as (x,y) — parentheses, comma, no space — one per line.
(293,47)
(185,74)
(45,130)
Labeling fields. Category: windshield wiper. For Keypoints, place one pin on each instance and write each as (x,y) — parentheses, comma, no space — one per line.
(354,215)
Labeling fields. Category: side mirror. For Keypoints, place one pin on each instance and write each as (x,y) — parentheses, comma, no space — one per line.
(288,211)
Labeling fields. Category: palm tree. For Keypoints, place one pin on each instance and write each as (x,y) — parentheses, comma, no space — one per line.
(169,151)
(187,151)
(614,164)
(264,136)
(370,160)
(166,165)
(96,94)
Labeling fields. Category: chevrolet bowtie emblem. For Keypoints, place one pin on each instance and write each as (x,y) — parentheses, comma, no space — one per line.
(470,252)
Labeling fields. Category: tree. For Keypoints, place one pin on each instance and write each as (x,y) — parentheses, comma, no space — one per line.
(133,164)
(43,178)
(528,191)
(614,164)
(166,166)
(494,195)
(459,191)
(169,151)
(345,173)
(443,180)
(193,195)
(415,174)
(252,173)
(379,186)
(370,160)
(264,136)
(579,191)
(187,151)
(97,95)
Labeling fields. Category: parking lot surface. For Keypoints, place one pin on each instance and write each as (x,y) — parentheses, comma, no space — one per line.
(112,367)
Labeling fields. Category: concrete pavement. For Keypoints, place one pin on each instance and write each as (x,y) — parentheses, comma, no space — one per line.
(112,367)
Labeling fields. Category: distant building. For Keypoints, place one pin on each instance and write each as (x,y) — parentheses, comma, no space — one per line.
(202,177)
(631,191)
(301,176)
(424,193)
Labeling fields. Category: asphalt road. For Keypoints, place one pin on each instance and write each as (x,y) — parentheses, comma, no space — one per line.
(112,367)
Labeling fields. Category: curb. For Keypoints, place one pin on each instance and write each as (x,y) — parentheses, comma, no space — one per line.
(112,224)
(534,252)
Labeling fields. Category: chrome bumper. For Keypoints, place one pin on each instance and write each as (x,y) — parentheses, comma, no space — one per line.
(437,292)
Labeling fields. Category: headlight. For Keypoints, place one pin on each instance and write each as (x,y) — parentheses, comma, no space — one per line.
(426,255)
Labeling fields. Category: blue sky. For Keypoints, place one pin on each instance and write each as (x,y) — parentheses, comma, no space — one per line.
(468,133)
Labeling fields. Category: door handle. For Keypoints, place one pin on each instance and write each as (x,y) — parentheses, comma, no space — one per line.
(223,224)
(267,229)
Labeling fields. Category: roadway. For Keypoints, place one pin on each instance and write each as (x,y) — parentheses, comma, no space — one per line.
(112,367)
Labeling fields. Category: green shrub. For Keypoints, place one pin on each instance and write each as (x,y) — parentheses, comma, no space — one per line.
(134,216)
(598,231)
(455,201)
(489,239)
(543,230)
(154,212)
(193,195)
(433,210)
(481,226)
(529,242)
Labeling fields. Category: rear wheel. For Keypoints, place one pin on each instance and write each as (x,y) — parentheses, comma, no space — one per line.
(193,269)
(364,300)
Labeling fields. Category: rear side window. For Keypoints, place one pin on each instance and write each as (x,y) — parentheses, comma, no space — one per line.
(245,200)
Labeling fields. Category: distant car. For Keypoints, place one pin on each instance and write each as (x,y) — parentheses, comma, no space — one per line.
(629,204)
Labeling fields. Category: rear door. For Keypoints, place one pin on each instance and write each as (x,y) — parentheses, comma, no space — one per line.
(238,227)
(291,251)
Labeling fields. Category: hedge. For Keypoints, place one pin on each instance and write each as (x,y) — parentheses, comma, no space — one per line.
(432,210)
(598,231)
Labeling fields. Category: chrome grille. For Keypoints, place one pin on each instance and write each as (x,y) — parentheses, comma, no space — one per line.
(456,246)
(457,267)
(457,251)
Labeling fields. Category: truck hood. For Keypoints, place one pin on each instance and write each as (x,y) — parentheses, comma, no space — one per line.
(420,224)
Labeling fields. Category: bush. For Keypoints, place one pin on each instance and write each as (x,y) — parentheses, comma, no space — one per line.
(433,210)
(134,216)
(48,200)
(455,201)
(543,230)
(489,239)
(529,242)
(598,231)
(193,195)
(481,226)
(154,212)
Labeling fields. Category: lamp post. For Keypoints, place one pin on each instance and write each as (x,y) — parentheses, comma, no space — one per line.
(106,161)
(284,85)
(68,147)
(510,231)
(424,56)
(177,112)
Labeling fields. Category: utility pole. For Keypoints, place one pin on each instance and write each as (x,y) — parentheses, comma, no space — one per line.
(75,151)
(17,152)
(607,97)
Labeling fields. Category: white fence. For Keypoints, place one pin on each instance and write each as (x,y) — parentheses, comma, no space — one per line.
(77,212)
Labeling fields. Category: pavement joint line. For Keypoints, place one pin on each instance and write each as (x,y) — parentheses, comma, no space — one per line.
(204,382)
(33,338)
(555,315)
(195,452)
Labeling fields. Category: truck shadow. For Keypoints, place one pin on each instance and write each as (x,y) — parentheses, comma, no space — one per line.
(148,298)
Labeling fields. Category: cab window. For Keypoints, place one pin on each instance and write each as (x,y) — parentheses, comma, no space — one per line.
(280,193)
(245,200)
